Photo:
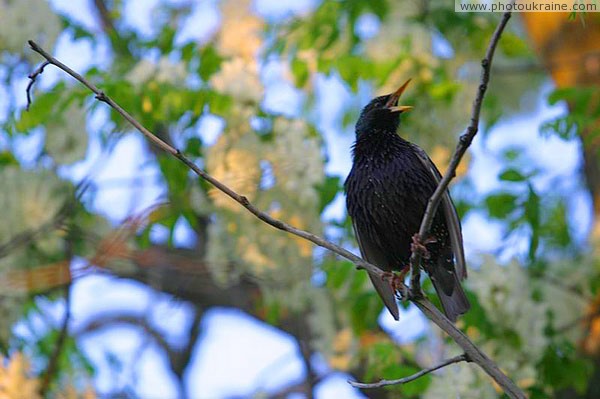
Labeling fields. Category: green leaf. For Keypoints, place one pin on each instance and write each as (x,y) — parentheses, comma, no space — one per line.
(501,205)
(513,45)
(511,154)
(219,104)
(365,311)
(165,39)
(414,388)
(353,68)
(556,227)
(188,51)
(359,282)
(381,355)
(194,147)
(43,107)
(532,215)
(176,176)
(338,273)
(444,90)
(562,368)
(477,317)
(328,191)
(512,175)
(210,62)
(300,71)
(564,127)
(7,158)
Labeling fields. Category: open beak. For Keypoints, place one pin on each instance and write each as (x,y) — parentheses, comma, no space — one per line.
(392,103)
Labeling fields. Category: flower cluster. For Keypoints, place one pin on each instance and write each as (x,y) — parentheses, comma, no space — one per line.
(66,140)
(164,71)
(22,20)
(33,201)
(239,40)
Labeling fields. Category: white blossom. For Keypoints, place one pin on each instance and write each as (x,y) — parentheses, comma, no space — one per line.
(297,160)
(22,20)
(241,30)
(505,292)
(237,166)
(67,139)
(164,71)
(239,78)
(33,200)
(462,381)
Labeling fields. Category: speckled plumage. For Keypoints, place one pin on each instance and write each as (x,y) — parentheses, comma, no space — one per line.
(387,192)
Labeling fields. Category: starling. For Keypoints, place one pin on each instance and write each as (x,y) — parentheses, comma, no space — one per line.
(387,192)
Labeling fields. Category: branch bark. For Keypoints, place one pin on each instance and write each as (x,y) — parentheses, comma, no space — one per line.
(464,142)
(472,351)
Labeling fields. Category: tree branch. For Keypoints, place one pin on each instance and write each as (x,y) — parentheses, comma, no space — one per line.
(108,25)
(464,142)
(105,320)
(383,383)
(32,77)
(242,200)
(470,349)
(53,363)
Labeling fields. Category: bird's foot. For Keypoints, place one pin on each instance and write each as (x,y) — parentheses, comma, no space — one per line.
(420,247)
(396,281)
(415,292)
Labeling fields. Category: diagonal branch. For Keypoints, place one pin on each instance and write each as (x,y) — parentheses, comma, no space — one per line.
(383,383)
(464,142)
(467,138)
(469,347)
(242,200)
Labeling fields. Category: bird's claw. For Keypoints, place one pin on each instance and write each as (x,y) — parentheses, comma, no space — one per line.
(396,281)
(404,292)
(420,247)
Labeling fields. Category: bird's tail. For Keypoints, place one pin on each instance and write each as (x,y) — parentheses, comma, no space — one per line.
(454,301)
(386,293)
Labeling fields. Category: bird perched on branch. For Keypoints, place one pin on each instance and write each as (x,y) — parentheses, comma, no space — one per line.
(387,192)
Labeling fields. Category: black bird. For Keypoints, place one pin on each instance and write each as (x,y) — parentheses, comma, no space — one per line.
(387,192)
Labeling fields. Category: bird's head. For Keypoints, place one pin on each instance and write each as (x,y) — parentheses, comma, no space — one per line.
(382,113)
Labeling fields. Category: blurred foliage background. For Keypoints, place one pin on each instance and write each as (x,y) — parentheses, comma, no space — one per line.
(264,96)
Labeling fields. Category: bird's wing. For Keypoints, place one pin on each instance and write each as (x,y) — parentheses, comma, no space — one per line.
(450,214)
(373,255)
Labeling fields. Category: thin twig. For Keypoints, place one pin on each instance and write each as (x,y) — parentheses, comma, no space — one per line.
(465,141)
(53,363)
(104,320)
(32,77)
(470,349)
(400,381)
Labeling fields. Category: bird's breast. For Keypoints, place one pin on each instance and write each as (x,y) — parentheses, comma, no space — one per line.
(389,184)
